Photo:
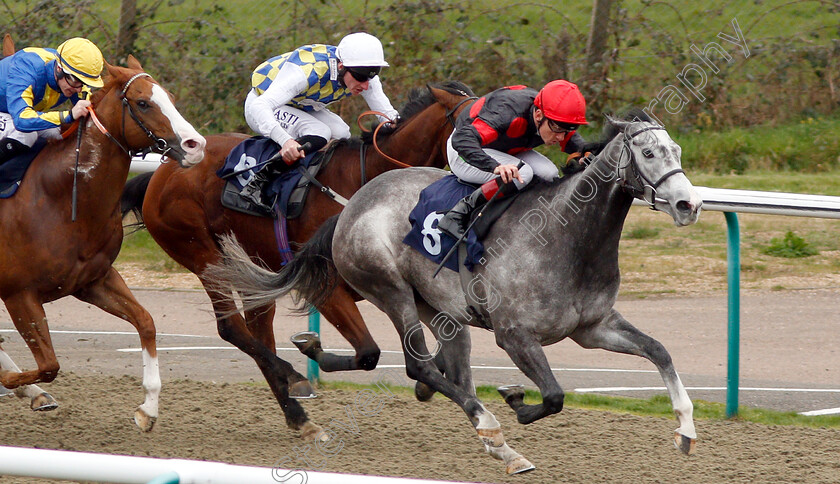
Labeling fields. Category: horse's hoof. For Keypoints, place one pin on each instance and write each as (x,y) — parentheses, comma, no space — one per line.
(685,444)
(307,342)
(144,420)
(423,392)
(514,395)
(301,390)
(311,431)
(519,465)
(43,403)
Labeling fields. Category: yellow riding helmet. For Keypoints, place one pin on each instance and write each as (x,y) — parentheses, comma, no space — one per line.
(81,58)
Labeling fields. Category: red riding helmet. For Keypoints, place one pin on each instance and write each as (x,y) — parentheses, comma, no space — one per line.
(562,101)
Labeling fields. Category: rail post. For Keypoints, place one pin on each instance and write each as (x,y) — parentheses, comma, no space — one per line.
(733,257)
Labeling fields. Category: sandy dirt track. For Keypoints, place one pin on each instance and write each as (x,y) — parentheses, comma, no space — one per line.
(210,411)
(237,423)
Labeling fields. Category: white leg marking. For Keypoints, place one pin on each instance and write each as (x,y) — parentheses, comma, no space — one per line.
(151,384)
(26,391)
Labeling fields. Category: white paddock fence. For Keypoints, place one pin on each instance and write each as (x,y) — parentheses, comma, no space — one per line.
(145,164)
(84,466)
(749,201)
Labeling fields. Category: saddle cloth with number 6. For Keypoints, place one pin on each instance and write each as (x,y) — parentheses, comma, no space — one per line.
(424,235)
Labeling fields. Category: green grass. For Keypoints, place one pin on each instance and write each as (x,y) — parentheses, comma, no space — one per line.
(810,145)
(656,406)
(791,246)
(141,249)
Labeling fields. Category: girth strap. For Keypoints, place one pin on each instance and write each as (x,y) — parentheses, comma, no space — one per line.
(324,189)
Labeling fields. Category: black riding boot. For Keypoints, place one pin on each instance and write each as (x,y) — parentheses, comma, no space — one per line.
(457,219)
(10,148)
(252,191)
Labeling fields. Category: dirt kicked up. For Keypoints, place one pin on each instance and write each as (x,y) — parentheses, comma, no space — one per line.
(394,435)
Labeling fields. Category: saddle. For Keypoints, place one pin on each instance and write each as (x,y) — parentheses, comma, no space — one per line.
(13,170)
(288,190)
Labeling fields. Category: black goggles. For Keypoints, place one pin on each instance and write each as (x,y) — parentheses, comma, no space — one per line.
(363,74)
(558,127)
(74,81)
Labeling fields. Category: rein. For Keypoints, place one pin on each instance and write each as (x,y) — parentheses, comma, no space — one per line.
(376,131)
(644,189)
(449,116)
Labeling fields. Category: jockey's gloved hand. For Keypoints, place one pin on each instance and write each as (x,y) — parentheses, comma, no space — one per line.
(576,162)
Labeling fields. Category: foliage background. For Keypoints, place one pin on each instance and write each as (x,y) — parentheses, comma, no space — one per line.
(205,50)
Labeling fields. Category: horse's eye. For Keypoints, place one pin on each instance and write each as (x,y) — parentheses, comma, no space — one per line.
(647,152)
(142,104)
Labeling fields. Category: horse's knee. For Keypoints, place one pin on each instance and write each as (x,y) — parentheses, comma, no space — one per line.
(416,369)
(367,361)
(49,372)
(553,403)
(146,329)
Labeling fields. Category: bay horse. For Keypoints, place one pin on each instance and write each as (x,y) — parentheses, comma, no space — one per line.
(552,273)
(47,255)
(181,209)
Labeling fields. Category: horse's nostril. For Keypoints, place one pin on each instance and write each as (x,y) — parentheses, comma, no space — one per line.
(683,206)
(190,144)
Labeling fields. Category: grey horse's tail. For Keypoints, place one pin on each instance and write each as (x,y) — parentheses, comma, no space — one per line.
(311,275)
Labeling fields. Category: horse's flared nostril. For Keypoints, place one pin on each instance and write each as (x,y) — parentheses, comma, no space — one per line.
(193,144)
(685,206)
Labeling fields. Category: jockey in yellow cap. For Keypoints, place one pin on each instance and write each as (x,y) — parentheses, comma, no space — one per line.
(33,81)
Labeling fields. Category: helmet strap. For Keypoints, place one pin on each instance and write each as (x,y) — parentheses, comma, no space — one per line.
(341,72)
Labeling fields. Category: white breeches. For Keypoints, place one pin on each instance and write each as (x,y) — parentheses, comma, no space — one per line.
(8,130)
(297,123)
(535,164)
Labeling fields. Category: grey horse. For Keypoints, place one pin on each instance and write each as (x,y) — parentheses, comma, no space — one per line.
(550,272)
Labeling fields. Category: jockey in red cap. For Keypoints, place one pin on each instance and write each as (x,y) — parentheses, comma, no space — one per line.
(499,131)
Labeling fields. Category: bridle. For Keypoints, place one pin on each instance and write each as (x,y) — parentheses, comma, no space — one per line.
(451,112)
(640,186)
(160,145)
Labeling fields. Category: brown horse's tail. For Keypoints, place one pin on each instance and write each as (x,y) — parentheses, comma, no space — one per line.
(131,201)
(311,274)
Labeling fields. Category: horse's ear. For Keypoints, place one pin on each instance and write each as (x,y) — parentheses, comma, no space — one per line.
(618,123)
(133,63)
(109,69)
(8,45)
(441,95)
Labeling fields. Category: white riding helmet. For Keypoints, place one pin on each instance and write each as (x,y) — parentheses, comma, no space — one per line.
(361,49)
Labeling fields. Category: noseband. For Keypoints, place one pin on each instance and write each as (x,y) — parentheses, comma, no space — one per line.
(642,187)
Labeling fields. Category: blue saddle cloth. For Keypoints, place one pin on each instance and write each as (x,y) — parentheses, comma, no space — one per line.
(12,171)
(253,152)
(424,235)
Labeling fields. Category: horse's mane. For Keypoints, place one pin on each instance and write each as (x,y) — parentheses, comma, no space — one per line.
(420,98)
(611,130)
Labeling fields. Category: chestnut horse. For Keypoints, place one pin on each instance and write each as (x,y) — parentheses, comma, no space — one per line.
(47,255)
(182,211)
